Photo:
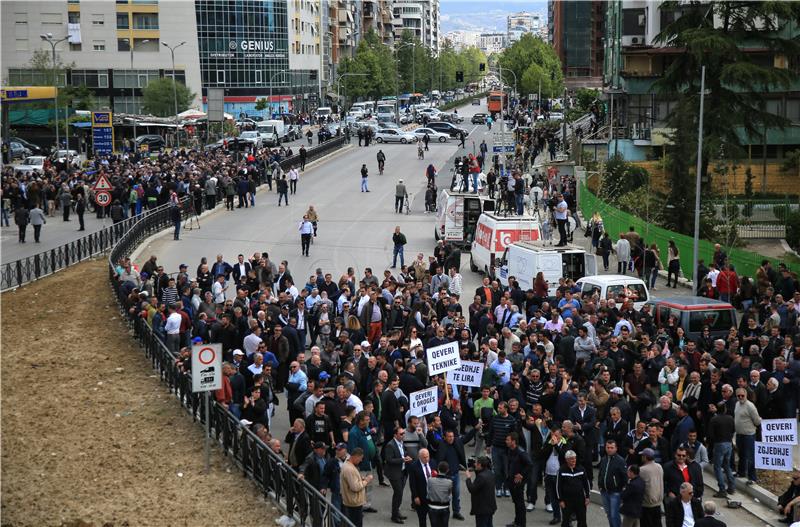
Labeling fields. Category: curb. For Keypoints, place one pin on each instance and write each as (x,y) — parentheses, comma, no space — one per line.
(761,502)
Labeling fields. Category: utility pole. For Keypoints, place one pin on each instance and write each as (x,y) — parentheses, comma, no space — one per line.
(175,89)
(696,242)
(48,37)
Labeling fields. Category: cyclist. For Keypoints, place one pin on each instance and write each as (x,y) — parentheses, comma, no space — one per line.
(381,161)
(420,150)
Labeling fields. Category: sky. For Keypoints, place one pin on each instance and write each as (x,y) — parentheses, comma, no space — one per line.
(483,15)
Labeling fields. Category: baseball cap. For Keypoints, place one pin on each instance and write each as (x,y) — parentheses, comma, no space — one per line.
(319,444)
(197,340)
(324,376)
(238,352)
(649,453)
(617,390)
(364,343)
(340,446)
(182,266)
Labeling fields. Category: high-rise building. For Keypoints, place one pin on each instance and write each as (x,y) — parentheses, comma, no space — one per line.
(115,47)
(576,31)
(421,17)
(518,24)
(461,39)
(378,15)
(492,42)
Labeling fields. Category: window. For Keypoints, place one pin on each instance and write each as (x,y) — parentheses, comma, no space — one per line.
(102,80)
(716,320)
(75,47)
(52,19)
(123,44)
(31,77)
(74,17)
(99,45)
(145,21)
(258,77)
(21,44)
(98,19)
(220,76)
(123,21)
(21,20)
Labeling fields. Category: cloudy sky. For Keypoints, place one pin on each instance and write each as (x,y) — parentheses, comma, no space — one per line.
(481,15)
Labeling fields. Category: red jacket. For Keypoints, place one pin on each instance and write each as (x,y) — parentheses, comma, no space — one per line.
(225,394)
(727,282)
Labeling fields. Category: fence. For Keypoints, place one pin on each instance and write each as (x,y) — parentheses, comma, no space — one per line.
(756,218)
(257,461)
(616,221)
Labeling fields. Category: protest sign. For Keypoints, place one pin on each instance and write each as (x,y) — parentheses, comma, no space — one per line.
(469,374)
(772,456)
(783,431)
(443,358)
(424,402)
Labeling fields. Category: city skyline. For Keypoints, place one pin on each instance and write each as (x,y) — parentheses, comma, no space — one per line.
(469,15)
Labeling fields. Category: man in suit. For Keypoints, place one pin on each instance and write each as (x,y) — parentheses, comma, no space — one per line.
(481,489)
(418,474)
(584,419)
(677,509)
(395,460)
(709,509)
(241,268)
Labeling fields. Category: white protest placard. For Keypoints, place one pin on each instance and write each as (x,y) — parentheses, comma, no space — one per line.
(206,367)
(424,402)
(469,374)
(443,358)
(782,431)
(772,456)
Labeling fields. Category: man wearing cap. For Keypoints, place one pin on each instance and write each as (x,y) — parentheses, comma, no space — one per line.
(313,467)
(572,490)
(653,476)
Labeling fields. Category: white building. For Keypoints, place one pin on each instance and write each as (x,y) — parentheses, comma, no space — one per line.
(518,24)
(461,39)
(422,18)
(492,42)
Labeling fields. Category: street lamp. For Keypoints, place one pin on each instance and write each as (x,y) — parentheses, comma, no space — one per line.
(175,88)
(397,78)
(48,37)
(132,43)
(339,83)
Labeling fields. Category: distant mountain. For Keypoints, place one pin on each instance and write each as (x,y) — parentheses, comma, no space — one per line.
(483,16)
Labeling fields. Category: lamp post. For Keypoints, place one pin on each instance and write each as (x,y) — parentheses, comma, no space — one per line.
(397,79)
(175,88)
(132,43)
(339,83)
(696,241)
(48,37)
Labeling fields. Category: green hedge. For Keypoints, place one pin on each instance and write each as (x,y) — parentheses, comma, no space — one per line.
(617,221)
(461,102)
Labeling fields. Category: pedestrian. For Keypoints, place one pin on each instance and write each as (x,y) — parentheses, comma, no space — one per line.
(623,251)
(673,264)
(364,176)
(117,212)
(381,158)
(631,498)
(708,519)
(175,214)
(788,502)
(37,219)
(395,461)
(604,248)
(400,195)
(331,478)
(354,487)
(399,241)
(303,155)
(419,472)
(65,201)
(518,472)
(80,209)
(360,134)
(481,489)
(283,190)
(294,175)
(560,212)
(462,138)
(572,490)
(720,432)
(306,231)
(21,218)
(653,476)
(684,511)
(426,139)
(611,479)
(747,422)
(440,492)
(211,193)
(310,136)
(230,192)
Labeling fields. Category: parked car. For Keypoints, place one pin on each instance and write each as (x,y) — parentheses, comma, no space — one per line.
(476,102)
(479,118)
(693,313)
(451,117)
(17,150)
(35,149)
(419,133)
(447,128)
(153,142)
(392,135)
(253,137)
(60,155)
(31,164)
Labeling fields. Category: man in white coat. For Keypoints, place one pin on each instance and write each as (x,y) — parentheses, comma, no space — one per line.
(623,250)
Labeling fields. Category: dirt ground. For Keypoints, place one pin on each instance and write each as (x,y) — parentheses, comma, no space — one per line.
(90,435)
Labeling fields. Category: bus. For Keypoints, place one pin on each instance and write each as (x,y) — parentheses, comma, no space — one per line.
(496,102)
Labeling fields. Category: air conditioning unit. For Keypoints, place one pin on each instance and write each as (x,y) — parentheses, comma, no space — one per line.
(630,40)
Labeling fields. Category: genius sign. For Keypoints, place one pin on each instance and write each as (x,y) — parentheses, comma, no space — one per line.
(443,358)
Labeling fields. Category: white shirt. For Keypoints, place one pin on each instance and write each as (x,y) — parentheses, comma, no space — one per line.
(688,517)
(712,275)
(251,343)
(561,215)
(218,290)
(294,174)
(355,402)
(293,291)
(173,324)
(306,227)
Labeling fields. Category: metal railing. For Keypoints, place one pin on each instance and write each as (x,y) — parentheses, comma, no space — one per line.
(315,153)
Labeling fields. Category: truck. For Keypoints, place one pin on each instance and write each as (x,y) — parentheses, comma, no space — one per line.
(272,132)
(524,259)
(457,216)
(494,233)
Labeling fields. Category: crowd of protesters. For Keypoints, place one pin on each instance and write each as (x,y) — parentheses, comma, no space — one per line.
(577,392)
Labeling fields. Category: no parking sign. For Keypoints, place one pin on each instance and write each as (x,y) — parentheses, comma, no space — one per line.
(206,367)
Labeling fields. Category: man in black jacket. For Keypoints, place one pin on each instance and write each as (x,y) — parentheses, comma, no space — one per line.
(632,497)
(675,512)
(481,489)
(676,472)
(451,450)
(611,479)
(518,471)
(418,474)
(572,490)
(709,509)
(395,461)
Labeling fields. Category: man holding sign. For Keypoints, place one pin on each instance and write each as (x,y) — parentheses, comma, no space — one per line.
(443,358)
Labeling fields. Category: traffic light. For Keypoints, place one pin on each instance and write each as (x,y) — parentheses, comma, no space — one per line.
(459,76)
(482,66)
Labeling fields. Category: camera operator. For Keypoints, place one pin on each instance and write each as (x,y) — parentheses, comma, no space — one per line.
(560,211)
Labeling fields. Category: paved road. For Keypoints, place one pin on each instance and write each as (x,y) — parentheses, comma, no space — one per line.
(355,230)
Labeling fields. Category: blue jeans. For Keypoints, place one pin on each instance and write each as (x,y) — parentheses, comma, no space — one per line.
(235,409)
(518,198)
(499,461)
(475,181)
(364,187)
(456,492)
(398,250)
(746,444)
(611,503)
(722,465)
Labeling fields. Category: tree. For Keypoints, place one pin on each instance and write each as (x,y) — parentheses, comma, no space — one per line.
(713,34)
(533,61)
(261,104)
(159,100)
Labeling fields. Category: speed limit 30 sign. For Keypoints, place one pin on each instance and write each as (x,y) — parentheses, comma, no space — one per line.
(102,198)
(206,367)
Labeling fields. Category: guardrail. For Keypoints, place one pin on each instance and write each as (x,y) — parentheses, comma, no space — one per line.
(257,461)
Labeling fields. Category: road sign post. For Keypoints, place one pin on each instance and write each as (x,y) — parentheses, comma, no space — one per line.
(207,376)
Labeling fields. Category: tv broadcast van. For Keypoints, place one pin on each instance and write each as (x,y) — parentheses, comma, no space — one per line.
(494,233)
(524,260)
(457,215)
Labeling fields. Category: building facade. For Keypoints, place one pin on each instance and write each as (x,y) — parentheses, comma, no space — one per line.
(518,24)
(113,48)
(461,39)
(576,31)
(378,15)
(492,42)
(421,17)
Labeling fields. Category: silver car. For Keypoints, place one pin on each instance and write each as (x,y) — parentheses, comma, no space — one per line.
(394,135)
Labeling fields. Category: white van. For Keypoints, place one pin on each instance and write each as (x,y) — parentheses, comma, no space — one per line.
(324,112)
(524,260)
(369,107)
(494,233)
(616,286)
(272,131)
(385,112)
(457,215)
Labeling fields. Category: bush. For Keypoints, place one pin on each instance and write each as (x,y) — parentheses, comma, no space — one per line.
(793,230)
(622,177)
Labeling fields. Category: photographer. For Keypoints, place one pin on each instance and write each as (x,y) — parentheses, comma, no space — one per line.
(484,503)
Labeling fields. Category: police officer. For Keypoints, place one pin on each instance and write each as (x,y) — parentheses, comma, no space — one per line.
(572,490)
